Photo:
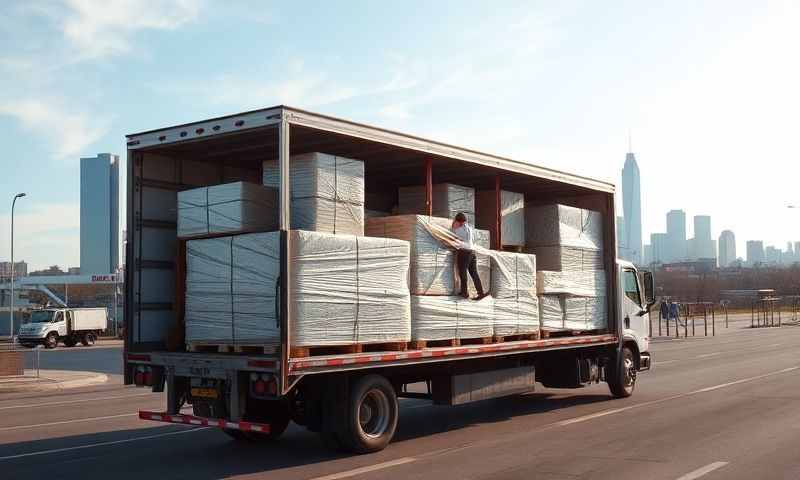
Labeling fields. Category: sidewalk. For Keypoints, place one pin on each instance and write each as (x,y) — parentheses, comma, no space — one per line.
(50,380)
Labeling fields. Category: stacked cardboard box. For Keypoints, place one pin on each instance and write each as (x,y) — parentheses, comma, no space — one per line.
(516,306)
(448,200)
(327,192)
(512,215)
(228,208)
(571,282)
(344,289)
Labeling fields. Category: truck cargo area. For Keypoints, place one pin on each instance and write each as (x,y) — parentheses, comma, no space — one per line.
(346,392)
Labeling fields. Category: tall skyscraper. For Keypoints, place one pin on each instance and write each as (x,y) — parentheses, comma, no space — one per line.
(99,214)
(676,236)
(727,248)
(703,244)
(659,244)
(755,252)
(632,208)
(622,248)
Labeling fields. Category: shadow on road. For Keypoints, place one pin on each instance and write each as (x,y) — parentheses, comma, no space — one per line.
(210,454)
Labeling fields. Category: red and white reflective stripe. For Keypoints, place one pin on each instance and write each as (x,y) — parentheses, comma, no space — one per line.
(203,422)
(358,358)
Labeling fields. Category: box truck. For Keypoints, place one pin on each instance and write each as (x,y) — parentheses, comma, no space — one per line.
(66,325)
(349,396)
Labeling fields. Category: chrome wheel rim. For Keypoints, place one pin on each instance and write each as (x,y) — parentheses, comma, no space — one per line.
(373,413)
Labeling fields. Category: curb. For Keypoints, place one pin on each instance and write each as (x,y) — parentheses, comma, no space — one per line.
(45,384)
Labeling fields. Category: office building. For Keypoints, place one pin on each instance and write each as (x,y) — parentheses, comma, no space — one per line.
(727,248)
(99,214)
(755,252)
(676,233)
(622,247)
(658,245)
(20,270)
(632,209)
(703,245)
(772,255)
(647,254)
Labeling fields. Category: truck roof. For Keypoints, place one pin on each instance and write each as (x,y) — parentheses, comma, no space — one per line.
(272,116)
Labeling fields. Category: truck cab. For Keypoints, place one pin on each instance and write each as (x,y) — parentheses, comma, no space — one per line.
(637,297)
(67,325)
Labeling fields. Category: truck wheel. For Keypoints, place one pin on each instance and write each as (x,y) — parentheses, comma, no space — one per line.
(88,339)
(70,342)
(621,382)
(275,414)
(51,341)
(371,417)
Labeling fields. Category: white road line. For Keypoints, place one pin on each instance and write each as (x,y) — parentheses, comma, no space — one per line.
(67,402)
(664,362)
(362,470)
(99,444)
(703,471)
(706,355)
(773,345)
(64,422)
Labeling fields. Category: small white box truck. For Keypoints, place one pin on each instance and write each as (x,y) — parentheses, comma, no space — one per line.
(66,325)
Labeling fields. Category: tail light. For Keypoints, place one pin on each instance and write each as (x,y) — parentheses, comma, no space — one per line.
(143,376)
(263,385)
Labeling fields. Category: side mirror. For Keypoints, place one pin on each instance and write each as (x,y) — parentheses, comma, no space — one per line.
(649,289)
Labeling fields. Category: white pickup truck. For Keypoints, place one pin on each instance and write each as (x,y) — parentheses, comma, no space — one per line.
(66,325)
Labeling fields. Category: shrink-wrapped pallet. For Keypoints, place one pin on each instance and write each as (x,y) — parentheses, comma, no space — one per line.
(227,208)
(450,317)
(512,215)
(327,192)
(587,284)
(551,312)
(571,259)
(565,312)
(347,289)
(516,309)
(448,200)
(231,289)
(433,267)
(563,226)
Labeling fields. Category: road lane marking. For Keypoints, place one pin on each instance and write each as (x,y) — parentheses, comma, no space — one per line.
(99,444)
(67,402)
(703,471)
(773,345)
(664,362)
(64,422)
(367,469)
(706,355)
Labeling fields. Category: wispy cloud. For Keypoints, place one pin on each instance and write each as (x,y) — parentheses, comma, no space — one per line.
(44,234)
(69,132)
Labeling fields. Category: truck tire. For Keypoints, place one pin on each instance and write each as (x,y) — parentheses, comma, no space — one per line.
(70,342)
(88,339)
(371,415)
(622,381)
(51,341)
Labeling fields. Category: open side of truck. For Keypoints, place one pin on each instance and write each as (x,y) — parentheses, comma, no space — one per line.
(350,398)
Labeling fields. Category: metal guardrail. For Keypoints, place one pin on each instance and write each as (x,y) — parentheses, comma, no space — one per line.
(686,313)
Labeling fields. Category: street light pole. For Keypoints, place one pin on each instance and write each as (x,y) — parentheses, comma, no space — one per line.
(11,308)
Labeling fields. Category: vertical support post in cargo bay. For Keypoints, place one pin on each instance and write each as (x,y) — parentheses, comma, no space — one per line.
(498,220)
(285,224)
(429,187)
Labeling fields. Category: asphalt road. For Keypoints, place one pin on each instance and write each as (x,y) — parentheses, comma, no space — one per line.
(715,408)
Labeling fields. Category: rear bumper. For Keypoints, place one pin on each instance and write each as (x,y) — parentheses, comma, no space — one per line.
(645,361)
(204,422)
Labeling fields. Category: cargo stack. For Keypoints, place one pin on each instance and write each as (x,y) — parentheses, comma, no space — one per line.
(512,215)
(227,208)
(571,280)
(437,312)
(516,306)
(448,200)
(327,192)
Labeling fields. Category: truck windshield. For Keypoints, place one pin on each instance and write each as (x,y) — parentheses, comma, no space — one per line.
(42,316)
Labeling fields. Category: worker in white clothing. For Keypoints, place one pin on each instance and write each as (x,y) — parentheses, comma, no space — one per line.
(465,256)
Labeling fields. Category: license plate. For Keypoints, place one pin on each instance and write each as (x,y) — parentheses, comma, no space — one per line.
(204,392)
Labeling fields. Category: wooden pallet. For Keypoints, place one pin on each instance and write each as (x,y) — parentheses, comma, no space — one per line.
(516,338)
(315,351)
(569,333)
(452,342)
(207,347)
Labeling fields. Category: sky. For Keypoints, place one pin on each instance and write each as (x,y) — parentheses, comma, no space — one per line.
(708,91)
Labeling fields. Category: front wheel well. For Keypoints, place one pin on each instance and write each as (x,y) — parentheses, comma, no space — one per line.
(634,348)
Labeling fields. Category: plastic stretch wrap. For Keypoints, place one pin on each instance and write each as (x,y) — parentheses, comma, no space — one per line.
(448,200)
(512,274)
(516,316)
(347,289)
(586,284)
(327,192)
(228,208)
(231,289)
(449,317)
(433,268)
(564,226)
(512,215)
(551,312)
(584,313)
(571,259)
